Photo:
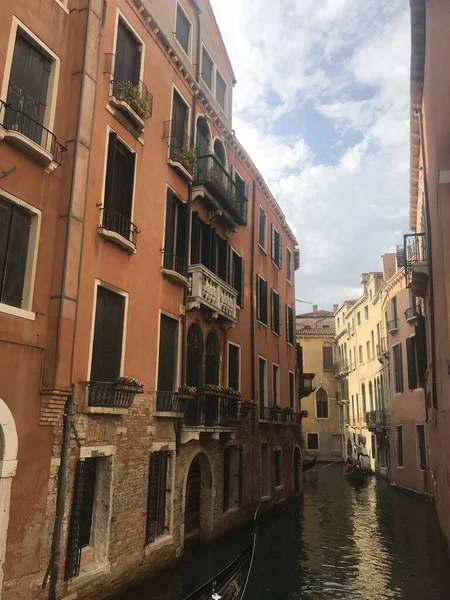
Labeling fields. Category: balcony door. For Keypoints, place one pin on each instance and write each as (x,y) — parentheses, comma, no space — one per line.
(203,137)
(167,363)
(212,359)
(128,56)
(27,90)
(179,121)
(194,363)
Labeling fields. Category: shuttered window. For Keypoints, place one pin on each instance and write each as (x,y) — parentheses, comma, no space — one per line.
(179,122)
(288,265)
(207,69)
(157,497)
(291,389)
(175,234)
(261,299)
(421,349)
(398,368)
(327,357)
(290,324)
(210,250)
(262,228)
(276,247)
(421,448)
(411,357)
(399,444)
(128,55)
(278,467)
(108,334)
(168,350)
(275,385)
(296,259)
(236,275)
(15,223)
(275,311)
(262,377)
(183,29)
(234,353)
(221,90)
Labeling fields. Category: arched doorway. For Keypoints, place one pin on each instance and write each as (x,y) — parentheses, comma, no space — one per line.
(212,359)
(297,469)
(198,501)
(202,138)
(220,154)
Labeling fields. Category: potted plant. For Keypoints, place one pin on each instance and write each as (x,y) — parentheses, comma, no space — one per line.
(125,389)
(187,157)
(304,413)
(186,392)
(129,383)
(231,393)
(247,406)
(131,93)
(213,390)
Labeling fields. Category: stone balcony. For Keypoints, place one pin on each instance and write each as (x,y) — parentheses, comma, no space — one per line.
(205,289)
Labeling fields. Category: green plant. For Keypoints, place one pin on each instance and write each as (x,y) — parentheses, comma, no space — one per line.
(187,157)
(220,181)
(225,391)
(304,413)
(128,381)
(186,390)
(288,409)
(131,93)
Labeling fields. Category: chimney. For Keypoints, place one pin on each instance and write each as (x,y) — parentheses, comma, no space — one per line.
(335,307)
(315,309)
(389,265)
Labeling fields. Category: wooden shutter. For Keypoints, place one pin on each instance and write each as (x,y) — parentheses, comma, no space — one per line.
(16,257)
(280,251)
(206,245)
(262,382)
(195,239)
(246,189)
(169,228)
(291,310)
(299,351)
(272,309)
(5,223)
(153,497)
(273,248)
(263,286)
(291,390)
(233,173)
(222,248)
(231,267)
(181,232)
(327,355)
(240,475)
(411,360)
(238,278)
(262,228)
(421,349)
(110,170)
(258,297)
(277,312)
(179,113)
(213,250)
(108,332)
(288,264)
(398,368)
(233,366)
(296,259)
(226,478)
(242,283)
(128,53)
(167,355)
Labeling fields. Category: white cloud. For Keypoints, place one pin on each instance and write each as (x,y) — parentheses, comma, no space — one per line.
(347,59)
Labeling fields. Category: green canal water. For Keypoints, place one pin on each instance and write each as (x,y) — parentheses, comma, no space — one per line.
(337,542)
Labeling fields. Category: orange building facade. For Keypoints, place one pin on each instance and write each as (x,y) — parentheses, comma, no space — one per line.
(149,389)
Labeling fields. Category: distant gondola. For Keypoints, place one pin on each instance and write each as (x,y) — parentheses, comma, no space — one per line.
(309,464)
(231,583)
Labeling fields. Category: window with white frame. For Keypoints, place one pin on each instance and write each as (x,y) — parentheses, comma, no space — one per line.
(158,496)
(399,445)
(262,228)
(327,356)
(366,313)
(276,247)
(234,366)
(221,90)
(207,69)
(397,367)
(288,265)
(321,404)
(358,318)
(290,324)
(275,385)
(183,29)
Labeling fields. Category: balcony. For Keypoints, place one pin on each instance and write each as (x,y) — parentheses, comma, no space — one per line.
(411,314)
(214,184)
(416,263)
(342,393)
(116,396)
(212,410)
(118,229)
(341,368)
(130,97)
(305,384)
(30,136)
(182,156)
(392,325)
(381,350)
(376,420)
(175,268)
(169,404)
(208,290)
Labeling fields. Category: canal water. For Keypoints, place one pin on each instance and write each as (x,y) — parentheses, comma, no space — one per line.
(338,541)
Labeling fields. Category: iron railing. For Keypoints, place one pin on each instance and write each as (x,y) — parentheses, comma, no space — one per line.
(212,410)
(416,252)
(401,256)
(296,418)
(410,313)
(266,413)
(172,262)
(305,386)
(212,174)
(381,347)
(17,120)
(341,367)
(180,145)
(392,325)
(114,221)
(115,394)
(377,418)
(127,87)
(279,416)
(169,402)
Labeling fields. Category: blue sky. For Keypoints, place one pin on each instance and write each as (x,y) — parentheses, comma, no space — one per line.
(322,106)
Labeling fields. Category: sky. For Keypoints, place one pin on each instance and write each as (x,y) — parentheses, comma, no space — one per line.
(321,105)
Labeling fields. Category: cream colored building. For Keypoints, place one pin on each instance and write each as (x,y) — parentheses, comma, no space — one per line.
(321,430)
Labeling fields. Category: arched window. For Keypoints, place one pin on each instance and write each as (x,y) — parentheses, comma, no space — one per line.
(194,356)
(203,137)
(363,398)
(212,359)
(370,395)
(327,357)
(375,390)
(219,152)
(321,404)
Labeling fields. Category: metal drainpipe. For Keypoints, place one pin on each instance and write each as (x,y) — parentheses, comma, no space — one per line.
(68,409)
(430,267)
(252,329)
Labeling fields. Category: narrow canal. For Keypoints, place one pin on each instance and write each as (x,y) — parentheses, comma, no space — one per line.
(337,542)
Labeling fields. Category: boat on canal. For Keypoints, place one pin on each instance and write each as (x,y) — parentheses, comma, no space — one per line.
(309,464)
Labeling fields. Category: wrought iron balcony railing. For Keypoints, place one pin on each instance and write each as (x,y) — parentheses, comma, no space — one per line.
(341,367)
(210,409)
(172,262)
(115,394)
(266,413)
(377,419)
(207,289)
(169,402)
(118,223)
(279,416)
(212,174)
(17,122)
(127,88)
(296,418)
(416,255)
(181,151)
(411,313)
(392,325)
(305,384)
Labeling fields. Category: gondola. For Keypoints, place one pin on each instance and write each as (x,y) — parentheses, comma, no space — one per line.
(231,583)
(309,464)
(357,475)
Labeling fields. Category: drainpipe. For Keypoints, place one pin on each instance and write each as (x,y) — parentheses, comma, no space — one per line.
(252,308)
(418,113)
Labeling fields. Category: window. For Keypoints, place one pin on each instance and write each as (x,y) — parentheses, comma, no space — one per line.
(108,334)
(236,275)
(207,69)
(290,324)
(261,299)
(361,359)
(358,408)
(398,368)
(394,308)
(338,323)
(221,89)
(321,404)
(399,445)
(366,313)
(241,184)
(127,63)
(370,295)
(183,30)
(372,337)
(374,445)
(275,385)
(178,132)
(358,318)
(232,477)
(265,471)
(119,187)
(327,357)
(353,409)
(212,359)
(27,90)
(368,350)
(275,311)
(291,390)
(278,468)
(288,265)
(276,247)
(207,248)
(262,228)
(313,441)
(262,377)
(421,447)
(174,258)
(15,257)
(336,443)
(234,359)
(363,399)
(168,350)
(411,357)
(158,497)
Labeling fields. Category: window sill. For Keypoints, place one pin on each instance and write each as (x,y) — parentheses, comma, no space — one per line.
(265,498)
(17,312)
(261,323)
(175,164)
(275,265)
(168,414)
(412,319)
(276,334)
(90,571)
(123,106)
(400,468)
(174,276)
(118,239)
(231,511)
(105,410)
(33,149)
(395,330)
(161,542)
(265,252)
(63,6)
